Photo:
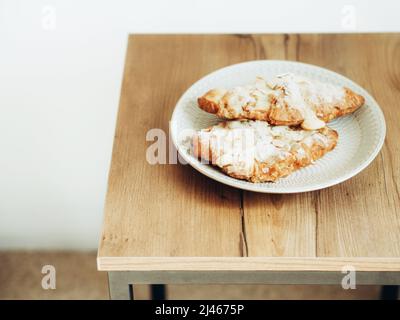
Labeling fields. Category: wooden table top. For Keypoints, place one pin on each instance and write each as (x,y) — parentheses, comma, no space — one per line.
(171,217)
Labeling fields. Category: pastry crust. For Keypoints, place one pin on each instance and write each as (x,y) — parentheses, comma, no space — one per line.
(285,100)
(258,152)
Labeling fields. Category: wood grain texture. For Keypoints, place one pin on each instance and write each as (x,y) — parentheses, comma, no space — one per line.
(361,217)
(167,209)
(171,212)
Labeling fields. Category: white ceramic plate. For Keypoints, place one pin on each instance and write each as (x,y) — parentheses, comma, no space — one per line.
(361,135)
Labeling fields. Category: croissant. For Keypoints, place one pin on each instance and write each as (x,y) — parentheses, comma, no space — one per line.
(285,100)
(258,152)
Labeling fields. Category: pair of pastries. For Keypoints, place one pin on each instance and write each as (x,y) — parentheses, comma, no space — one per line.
(274,127)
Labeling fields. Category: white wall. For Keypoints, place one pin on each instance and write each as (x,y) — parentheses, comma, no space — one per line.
(61,67)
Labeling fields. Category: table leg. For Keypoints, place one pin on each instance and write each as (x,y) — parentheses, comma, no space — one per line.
(119,288)
(389,292)
(158,292)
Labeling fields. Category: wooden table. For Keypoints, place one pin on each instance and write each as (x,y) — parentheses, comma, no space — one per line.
(167,223)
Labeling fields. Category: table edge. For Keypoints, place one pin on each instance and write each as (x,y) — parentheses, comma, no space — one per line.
(336,264)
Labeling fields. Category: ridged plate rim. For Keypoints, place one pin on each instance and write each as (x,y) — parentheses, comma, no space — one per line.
(219,176)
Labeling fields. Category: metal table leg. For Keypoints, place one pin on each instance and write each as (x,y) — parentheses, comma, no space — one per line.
(119,288)
(390,292)
(158,292)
